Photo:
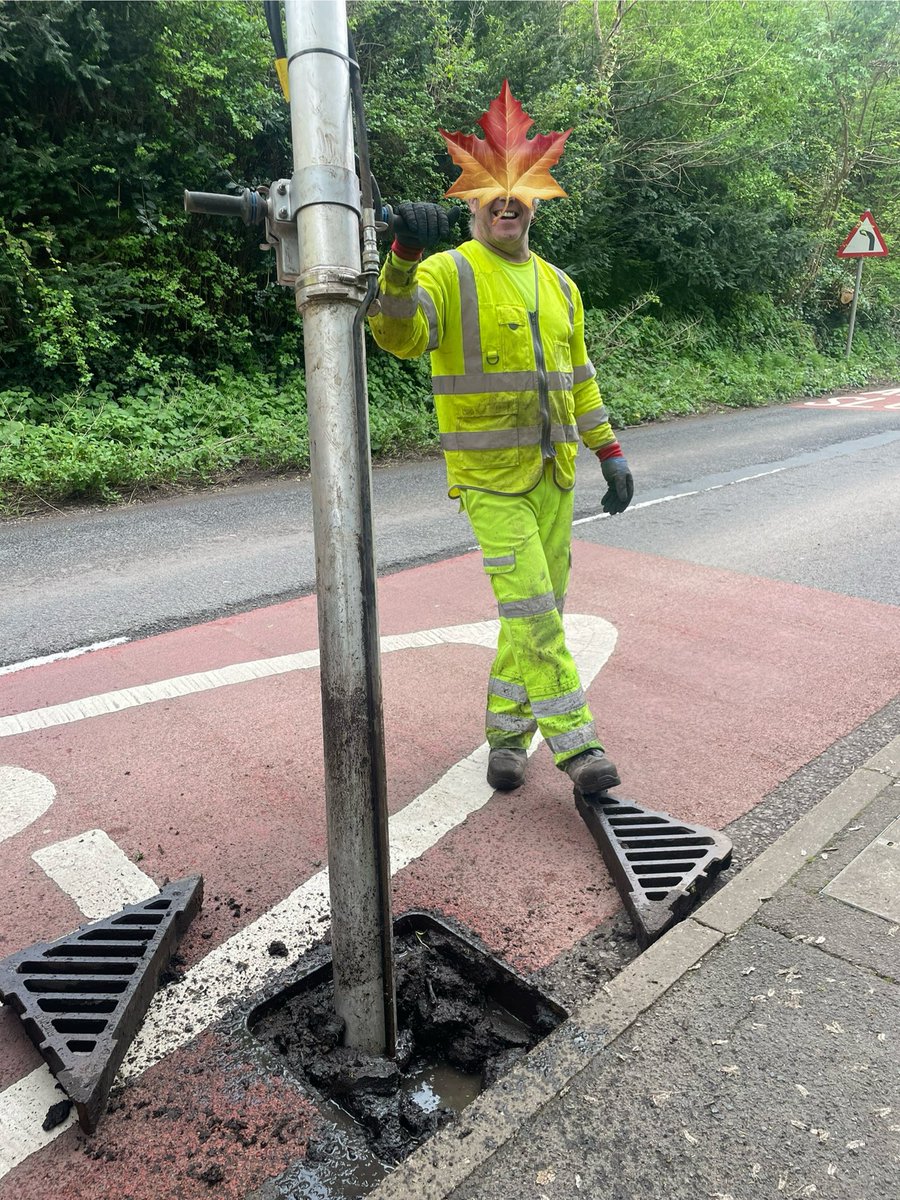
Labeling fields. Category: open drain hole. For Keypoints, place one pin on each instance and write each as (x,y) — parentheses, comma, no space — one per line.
(465,1018)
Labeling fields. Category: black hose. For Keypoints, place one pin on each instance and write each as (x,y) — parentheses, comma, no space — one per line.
(362,135)
(272,9)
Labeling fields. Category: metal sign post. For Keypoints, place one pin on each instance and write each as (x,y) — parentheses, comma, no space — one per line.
(324,197)
(853,304)
(863,241)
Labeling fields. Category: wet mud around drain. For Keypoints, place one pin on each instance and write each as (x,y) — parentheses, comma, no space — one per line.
(464,1020)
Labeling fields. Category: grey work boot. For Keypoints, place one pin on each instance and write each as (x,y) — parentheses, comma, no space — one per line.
(506,768)
(591,772)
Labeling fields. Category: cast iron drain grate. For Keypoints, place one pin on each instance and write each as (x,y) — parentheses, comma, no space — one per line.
(82,998)
(660,866)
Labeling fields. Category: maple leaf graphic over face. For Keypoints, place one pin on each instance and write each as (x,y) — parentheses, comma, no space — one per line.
(505,162)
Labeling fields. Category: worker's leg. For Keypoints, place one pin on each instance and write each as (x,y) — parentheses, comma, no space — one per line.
(525,544)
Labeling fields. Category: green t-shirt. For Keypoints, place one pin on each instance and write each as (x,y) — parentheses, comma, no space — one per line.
(523,277)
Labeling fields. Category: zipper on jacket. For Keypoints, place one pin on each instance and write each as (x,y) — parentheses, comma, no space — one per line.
(547,450)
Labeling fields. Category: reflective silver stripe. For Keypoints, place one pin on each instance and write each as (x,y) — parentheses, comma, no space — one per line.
(509,723)
(563,433)
(507,690)
(558,706)
(500,560)
(567,292)
(479,382)
(575,739)
(427,305)
(468,310)
(592,419)
(560,604)
(533,606)
(402,307)
(491,439)
(588,371)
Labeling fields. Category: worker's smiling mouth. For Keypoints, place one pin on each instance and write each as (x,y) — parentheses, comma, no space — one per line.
(508,214)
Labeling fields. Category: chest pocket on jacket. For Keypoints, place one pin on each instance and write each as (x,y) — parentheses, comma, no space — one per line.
(516,350)
(563,354)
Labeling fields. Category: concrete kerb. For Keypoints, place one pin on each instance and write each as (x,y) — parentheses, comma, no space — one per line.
(443,1163)
(740,899)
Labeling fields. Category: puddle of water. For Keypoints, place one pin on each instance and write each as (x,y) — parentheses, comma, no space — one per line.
(442,1086)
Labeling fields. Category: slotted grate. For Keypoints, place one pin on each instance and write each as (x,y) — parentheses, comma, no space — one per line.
(82,998)
(660,866)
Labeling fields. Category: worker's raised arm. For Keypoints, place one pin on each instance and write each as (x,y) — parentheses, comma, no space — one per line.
(408,317)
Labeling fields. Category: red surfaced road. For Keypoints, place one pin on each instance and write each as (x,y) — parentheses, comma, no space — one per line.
(720,687)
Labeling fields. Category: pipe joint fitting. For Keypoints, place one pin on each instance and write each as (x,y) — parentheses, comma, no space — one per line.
(329,284)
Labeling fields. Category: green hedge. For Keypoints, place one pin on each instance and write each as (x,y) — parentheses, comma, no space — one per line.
(174,428)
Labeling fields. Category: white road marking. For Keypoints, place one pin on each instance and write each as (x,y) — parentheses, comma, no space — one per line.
(855,400)
(23,1108)
(49,658)
(24,795)
(149,693)
(96,873)
(204,681)
(632,508)
(242,965)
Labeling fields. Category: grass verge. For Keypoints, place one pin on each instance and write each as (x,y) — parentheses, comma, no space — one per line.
(177,430)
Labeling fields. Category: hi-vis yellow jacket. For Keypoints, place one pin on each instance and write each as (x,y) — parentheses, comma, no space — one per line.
(512,388)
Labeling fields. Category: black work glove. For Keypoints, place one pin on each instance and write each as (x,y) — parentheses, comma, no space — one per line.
(621,485)
(418,224)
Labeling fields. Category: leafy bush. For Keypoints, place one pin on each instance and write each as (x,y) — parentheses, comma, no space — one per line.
(181,429)
(650,367)
(177,430)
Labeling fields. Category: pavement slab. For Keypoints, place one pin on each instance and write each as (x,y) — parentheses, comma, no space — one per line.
(857,937)
(872,881)
(725,1088)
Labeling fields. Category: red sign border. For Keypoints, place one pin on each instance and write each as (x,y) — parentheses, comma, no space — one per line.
(882,253)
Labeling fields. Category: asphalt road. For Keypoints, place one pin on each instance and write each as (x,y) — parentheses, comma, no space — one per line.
(802,495)
(728,695)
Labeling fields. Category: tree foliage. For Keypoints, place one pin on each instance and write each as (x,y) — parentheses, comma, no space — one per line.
(109,111)
(721,150)
(719,147)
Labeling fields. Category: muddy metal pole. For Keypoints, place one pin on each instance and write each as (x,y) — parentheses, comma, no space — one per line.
(325,196)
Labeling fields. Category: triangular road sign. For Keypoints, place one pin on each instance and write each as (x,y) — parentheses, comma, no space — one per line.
(865,241)
(659,865)
(82,998)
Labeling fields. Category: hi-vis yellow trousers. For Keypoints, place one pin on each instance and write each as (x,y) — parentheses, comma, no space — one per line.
(534,684)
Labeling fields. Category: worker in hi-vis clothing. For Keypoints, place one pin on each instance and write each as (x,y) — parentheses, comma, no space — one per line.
(514,391)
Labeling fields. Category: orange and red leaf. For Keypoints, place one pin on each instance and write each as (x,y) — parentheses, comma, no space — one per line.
(505,162)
